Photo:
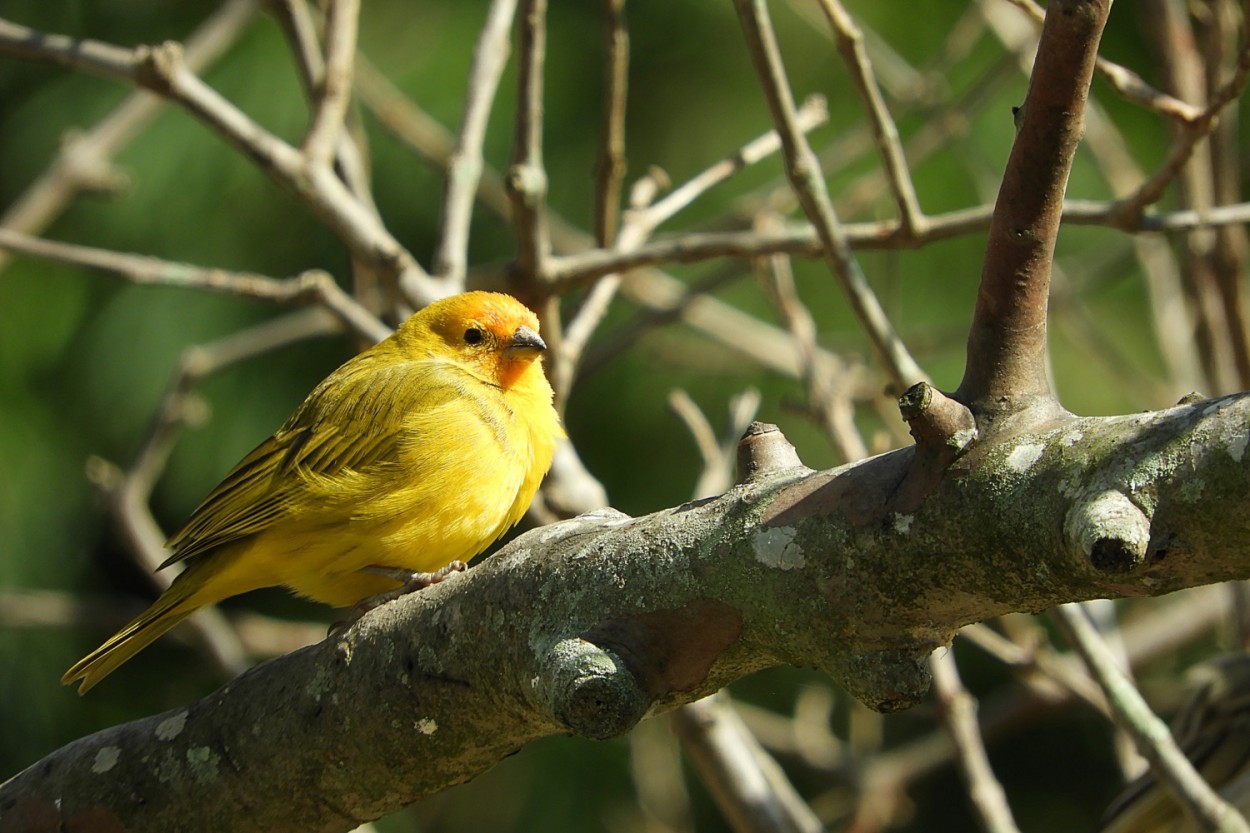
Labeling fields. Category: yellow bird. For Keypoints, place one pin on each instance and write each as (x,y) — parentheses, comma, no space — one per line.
(416,453)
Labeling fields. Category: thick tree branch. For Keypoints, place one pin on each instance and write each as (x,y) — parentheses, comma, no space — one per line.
(587,626)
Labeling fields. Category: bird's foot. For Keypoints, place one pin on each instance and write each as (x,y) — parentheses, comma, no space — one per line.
(410,581)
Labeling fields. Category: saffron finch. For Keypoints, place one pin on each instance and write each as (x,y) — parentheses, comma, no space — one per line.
(416,453)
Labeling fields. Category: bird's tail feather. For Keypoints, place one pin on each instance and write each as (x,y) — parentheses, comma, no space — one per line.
(174,605)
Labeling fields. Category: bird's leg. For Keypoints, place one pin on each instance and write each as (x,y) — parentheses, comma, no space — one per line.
(410,581)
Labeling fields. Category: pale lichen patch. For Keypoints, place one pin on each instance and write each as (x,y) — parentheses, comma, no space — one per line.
(902,523)
(1022,457)
(105,759)
(1237,446)
(318,684)
(171,727)
(775,547)
(204,762)
(426,726)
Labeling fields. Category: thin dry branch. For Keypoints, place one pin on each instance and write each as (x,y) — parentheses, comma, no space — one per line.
(1150,734)
(1183,148)
(568,272)
(162,69)
(464,163)
(803,170)
(641,220)
(332,94)
(313,286)
(610,166)
(850,42)
(827,397)
(351,158)
(84,159)
(958,711)
(1124,81)
(747,784)
(527,178)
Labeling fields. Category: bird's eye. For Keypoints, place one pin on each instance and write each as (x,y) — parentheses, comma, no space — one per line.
(473,336)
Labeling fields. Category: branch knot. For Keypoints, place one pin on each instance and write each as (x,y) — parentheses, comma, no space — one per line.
(1110,530)
(764,450)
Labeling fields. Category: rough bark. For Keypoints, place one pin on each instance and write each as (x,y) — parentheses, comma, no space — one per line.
(587,626)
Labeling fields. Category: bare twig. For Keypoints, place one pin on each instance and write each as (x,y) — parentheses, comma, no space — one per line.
(313,286)
(659,781)
(850,43)
(464,165)
(1151,735)
(640,221)
(1189,137)
(333,94)
(958,711)
(1127,83)
(1231,250)
(570,271)
(162,69)
(749,787)
(301,33)
(803,169)
(718,455)
(527,178)
(610,167)
(812,114)
(84,158)
(827,398)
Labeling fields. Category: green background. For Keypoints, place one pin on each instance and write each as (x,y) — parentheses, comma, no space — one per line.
(84,358)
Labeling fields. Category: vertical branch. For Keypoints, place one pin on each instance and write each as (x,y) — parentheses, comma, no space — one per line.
(335,91)
(350,155)
(464,167)
(527,179)
(610,167)
(1167,25)
(1006,364)
(803,170)
(958,711)
(1231,251)
(833,406)
(609,171)
(300,30)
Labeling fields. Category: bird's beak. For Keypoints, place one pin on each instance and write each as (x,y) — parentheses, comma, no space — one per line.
(525,344)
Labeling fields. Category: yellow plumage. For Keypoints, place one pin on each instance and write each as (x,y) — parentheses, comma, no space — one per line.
(417,452)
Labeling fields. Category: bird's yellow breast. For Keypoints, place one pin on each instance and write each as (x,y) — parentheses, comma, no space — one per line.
(436,503)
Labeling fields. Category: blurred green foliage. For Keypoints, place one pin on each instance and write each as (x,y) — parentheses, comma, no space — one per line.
(84,358)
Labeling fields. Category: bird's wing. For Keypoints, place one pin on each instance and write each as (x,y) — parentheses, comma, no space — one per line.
(349,422)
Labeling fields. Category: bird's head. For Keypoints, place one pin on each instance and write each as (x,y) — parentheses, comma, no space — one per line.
(492,335)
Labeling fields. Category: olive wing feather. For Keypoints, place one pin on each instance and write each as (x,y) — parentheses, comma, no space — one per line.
(351,421)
